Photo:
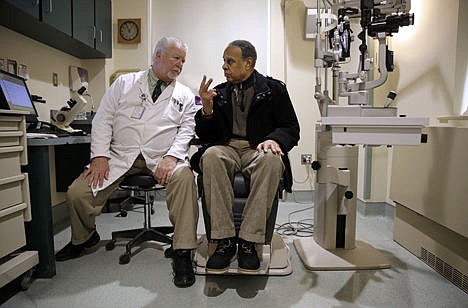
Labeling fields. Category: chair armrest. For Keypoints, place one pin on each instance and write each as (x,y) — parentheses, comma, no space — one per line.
(195,141)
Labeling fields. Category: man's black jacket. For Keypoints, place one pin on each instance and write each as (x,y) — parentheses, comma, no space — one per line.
(271,116)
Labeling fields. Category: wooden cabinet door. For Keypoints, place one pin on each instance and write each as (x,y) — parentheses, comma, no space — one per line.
(31,7)
(83,21)
(103,22)
(58,13)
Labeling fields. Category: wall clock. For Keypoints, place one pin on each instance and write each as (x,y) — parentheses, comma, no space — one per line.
(129,31)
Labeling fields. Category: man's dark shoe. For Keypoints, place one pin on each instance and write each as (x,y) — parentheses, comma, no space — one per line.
(225,252)
(71,251)
(183,268)
(247,258)
(93,240)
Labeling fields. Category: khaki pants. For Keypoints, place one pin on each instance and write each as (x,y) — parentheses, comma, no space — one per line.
(181,197)
(219,164)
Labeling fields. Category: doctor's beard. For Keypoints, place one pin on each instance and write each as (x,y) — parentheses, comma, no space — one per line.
(173,74)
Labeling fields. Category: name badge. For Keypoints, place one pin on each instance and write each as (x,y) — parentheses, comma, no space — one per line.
(138,112)
(177,105)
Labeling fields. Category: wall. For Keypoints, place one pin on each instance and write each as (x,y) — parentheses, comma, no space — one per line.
(300,78)
(275,27)
(426,58)
(131,56)
(430,71)
(430,60)
(207,37)
(42,61)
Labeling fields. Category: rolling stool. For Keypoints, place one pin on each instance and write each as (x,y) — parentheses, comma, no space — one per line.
(141,183)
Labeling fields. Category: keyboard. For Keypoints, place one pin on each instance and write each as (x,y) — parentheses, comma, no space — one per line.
(40,136)
(46,129)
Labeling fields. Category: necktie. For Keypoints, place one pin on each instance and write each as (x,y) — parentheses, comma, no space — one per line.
(157,90)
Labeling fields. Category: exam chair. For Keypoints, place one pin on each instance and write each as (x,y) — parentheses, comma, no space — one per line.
(274,253)
(146,184)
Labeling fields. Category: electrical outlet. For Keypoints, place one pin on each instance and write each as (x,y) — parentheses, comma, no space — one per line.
(55,79)
(306,159)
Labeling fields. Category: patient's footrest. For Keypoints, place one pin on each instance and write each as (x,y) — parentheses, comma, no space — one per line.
(275,259)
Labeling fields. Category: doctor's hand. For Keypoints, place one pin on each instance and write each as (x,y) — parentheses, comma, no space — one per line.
(97,172)
(164,170)
(207,95)
(270,145)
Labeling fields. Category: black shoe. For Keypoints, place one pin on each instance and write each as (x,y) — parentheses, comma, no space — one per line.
(247,258)
(93,240)
(225,251)
(71,251)
(183,268)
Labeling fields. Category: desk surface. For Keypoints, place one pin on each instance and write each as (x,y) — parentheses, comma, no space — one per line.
(59,141)
(13,112)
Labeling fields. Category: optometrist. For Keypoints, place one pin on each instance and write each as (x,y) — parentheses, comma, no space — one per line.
(143,125)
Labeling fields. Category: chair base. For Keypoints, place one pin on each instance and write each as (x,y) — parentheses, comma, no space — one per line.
(139,236)
(275,258)
(129,205)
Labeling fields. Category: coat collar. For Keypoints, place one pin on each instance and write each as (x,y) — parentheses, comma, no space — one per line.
(172,89)
(260,85)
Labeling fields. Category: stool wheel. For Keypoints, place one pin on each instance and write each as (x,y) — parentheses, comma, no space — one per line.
(169,253)
(124,258)
(123,213)
(110,245)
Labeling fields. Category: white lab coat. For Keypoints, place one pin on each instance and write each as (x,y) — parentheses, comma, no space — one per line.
(165,128)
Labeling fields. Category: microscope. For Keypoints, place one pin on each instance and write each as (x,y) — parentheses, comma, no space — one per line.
(342,128)
(66,115)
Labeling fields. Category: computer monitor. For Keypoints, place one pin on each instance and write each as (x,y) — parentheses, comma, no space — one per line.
(14,95)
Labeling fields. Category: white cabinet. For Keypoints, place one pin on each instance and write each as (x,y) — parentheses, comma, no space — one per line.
(430,190)
(14,197)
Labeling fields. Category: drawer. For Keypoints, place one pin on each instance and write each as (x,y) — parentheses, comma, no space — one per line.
(10,138)
(10,164)
(10,123)
(12,235)
(10,191)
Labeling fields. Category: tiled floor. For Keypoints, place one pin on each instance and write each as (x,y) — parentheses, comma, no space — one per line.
(97,280)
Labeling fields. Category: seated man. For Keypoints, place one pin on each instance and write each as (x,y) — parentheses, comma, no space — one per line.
(136,132)
(251,124)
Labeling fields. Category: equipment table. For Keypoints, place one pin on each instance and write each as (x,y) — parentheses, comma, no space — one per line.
(62,159)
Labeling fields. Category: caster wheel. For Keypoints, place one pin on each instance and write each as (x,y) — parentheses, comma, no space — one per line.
(26,280)
(125,258)
(110,245)
(169,253)
(123,213)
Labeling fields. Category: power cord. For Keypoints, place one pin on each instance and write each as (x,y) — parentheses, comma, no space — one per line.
(306,179)
(297,201)
(300,228)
